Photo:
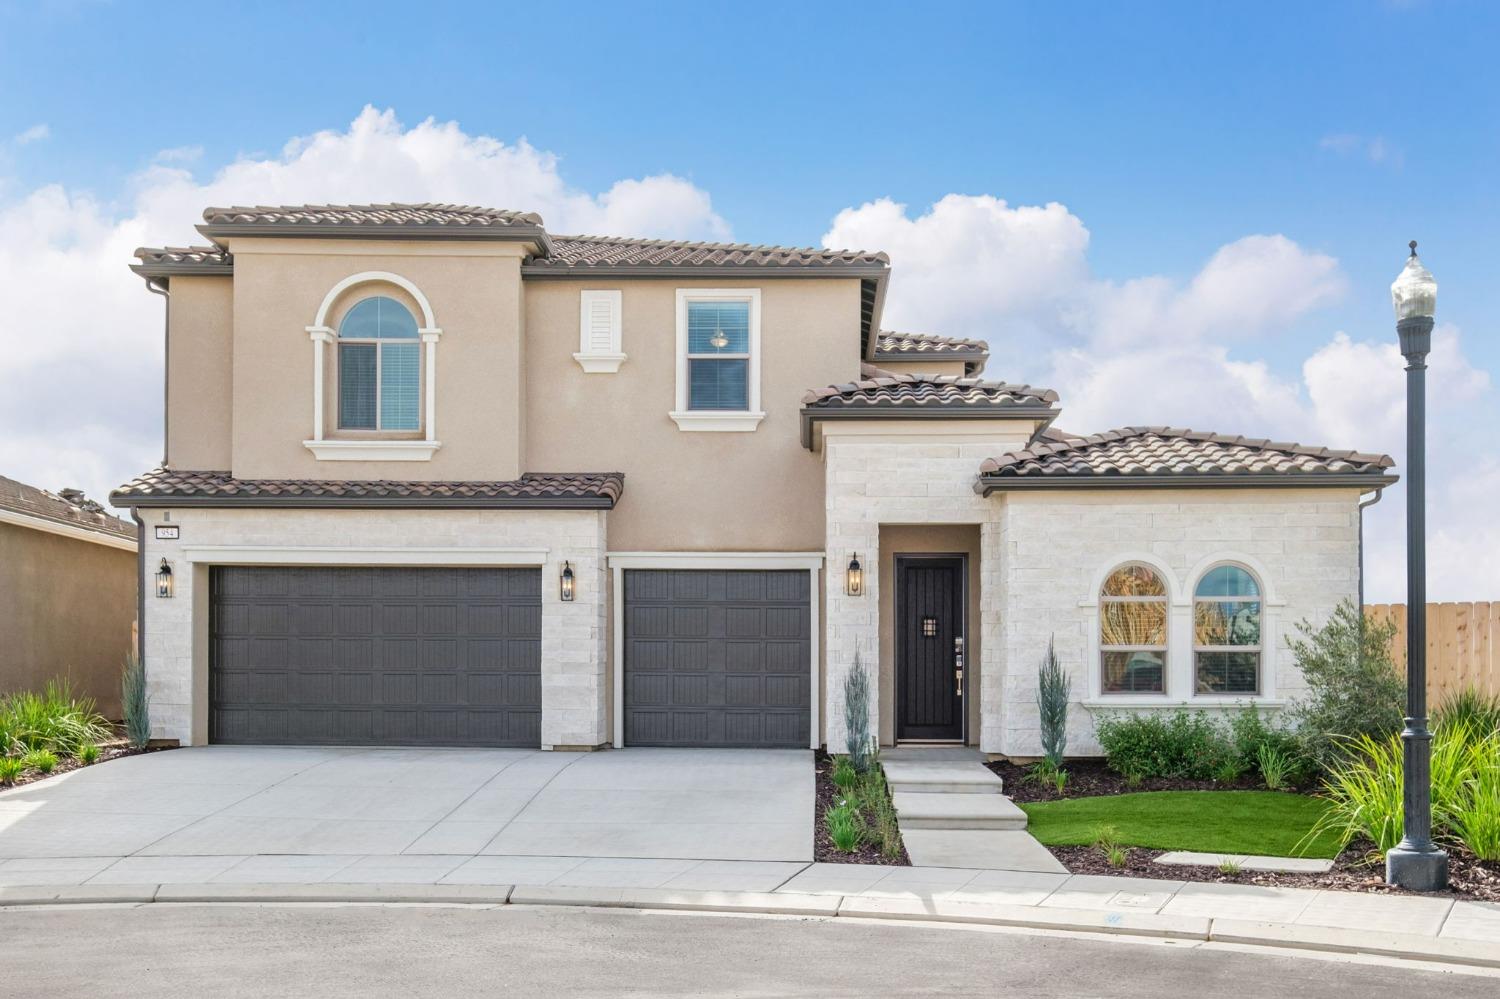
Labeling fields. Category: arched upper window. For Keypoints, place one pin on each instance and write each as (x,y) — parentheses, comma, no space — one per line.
(1226,632)
(1133,632)
(379,367)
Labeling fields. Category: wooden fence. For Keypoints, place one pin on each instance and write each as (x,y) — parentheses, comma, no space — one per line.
(1463,645)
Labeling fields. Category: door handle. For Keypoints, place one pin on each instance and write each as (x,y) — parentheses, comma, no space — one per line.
(958,666)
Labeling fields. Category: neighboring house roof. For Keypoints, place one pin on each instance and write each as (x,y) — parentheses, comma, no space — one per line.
(1170,457)
(888,395)
(68,513)
(929,346)
(534,490)
(165,261)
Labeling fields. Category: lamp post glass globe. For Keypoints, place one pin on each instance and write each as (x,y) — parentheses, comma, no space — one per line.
(1414,292)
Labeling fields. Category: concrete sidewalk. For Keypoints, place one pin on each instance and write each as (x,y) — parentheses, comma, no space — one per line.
(1412,927)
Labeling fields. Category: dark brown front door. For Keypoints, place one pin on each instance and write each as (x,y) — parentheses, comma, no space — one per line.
(930,646)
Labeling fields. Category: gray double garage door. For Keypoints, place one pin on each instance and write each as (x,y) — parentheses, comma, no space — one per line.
(452,657)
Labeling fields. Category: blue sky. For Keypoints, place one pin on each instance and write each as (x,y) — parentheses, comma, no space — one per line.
(1169,132)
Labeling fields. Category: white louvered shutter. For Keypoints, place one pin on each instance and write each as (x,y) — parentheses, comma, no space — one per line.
(600,334)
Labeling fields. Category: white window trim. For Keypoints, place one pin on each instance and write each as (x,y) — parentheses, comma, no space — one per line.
(600,362)
(618,562)
(714,420)
(1181,683)
(321,334)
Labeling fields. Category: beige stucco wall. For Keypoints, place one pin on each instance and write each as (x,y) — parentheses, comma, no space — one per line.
(928,539)
(475,293)
(917,366)
(199,372)
(687,490)
(66,607)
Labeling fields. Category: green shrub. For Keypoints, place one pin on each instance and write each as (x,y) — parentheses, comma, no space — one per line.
(11,768)
(1353,686)
(1471,707)
(1364,790)
(1052,691)
(843,774)
(1275,767)
(846,827)
(41,760)
(53,720)
(1257,740)
(875,804)
(135,702)
(88,753)
(857,738)
(1177,745)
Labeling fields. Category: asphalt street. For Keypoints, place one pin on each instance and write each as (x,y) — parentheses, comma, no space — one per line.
(227,951)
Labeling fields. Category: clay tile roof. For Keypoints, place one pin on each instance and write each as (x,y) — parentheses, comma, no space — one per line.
(165,261)
(620,255)
(534,490)
(899,344)
(69,508)
(1162,455)
(367,216)
(879,389)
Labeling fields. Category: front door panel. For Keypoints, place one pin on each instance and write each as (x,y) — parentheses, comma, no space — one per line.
(930,647)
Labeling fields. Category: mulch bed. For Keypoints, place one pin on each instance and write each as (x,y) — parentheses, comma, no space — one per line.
(827,795)
(1468,877)
(112,750)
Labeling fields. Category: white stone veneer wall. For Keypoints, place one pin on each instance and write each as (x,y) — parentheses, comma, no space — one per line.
(573,647)
(1059,545)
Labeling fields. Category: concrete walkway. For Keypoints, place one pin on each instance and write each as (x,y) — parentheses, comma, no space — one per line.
(953,813)
(225,801)
(1413,927)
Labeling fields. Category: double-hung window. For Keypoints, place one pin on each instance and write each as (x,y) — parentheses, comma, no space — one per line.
(1226,632)
(718,364)
(379,367)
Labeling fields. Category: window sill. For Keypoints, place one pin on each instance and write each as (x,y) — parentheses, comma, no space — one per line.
(383,450)
(717,421)
(600,364)
(1157,701)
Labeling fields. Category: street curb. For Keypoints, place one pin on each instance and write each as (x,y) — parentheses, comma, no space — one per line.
(1324,939)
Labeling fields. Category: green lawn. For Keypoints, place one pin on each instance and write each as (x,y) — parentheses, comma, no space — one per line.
(1260,822)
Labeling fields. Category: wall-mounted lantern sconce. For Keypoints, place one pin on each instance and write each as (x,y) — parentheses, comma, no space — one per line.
(567,583)
(855,579)
(164,579)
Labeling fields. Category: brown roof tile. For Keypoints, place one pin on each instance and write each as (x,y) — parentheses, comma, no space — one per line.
(884,390)
(70,508)
(534,490)
(165,261)
(1162,455)
(365,216)
(899,344)
(620,255)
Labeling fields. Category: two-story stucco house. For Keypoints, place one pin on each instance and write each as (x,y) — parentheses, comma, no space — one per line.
(437,476)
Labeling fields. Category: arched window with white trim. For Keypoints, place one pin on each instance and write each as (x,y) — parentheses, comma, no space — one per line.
(1227,632)
(379,367)
(1133,631)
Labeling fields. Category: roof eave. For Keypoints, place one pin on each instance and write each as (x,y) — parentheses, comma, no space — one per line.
(368,502)
(163,270)
(932,355)
(217,232)
(835,270)
(1365,481)
(816,414)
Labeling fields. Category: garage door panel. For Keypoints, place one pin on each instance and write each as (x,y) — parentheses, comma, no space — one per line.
(717,657)
(376,656)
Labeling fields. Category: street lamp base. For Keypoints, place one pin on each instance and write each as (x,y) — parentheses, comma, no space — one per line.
(1417,870)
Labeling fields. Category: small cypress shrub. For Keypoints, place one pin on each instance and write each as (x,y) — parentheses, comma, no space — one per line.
(1052,685)
(135,702)
(857,740)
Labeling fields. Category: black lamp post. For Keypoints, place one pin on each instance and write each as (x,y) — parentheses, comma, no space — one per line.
(1416,863)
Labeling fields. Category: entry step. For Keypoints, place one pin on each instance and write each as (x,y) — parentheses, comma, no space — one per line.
(941,778)
(957,811)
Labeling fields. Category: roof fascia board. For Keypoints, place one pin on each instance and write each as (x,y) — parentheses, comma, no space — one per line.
(75,531)
(598,271)
(370,502)
(811,415)
(1224,480)
(344,230)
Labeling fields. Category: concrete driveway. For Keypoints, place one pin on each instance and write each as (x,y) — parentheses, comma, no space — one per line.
(225,801)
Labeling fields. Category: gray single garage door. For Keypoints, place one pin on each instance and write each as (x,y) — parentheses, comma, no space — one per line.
(376,657)
(717,658)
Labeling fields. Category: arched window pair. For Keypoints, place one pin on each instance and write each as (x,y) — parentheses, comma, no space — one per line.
(1133,625)
(379,367)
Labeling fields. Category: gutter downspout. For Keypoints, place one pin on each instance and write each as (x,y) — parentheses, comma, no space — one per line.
(166,336)
(1362,504)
